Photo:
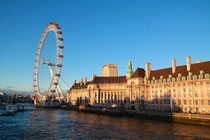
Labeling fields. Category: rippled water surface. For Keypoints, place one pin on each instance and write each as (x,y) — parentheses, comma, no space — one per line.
(61,124)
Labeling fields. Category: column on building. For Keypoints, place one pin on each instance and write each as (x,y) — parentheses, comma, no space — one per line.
(123,97)
(107,97)
(97,97)
(118,97)
(114,93)
(101,94)
(110,97)
(104,97)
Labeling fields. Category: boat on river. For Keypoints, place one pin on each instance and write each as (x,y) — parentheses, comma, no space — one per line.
(12,108)
(5,113)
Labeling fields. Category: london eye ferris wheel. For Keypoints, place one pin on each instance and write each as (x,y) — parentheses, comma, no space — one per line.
(54,67)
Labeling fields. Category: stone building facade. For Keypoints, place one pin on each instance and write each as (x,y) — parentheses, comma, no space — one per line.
(178,89)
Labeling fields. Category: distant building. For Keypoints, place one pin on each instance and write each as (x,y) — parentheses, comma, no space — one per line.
(109,70)
(178,89)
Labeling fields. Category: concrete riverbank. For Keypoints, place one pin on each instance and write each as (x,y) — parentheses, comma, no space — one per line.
(188,118)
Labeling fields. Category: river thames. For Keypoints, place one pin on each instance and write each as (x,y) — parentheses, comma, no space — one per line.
(62,124)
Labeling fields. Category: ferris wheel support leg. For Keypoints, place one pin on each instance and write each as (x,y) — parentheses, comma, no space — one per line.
(58,86)
(60,91)
(51,72)
(56,89)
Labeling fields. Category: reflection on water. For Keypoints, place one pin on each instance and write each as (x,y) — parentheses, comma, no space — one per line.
(61,124)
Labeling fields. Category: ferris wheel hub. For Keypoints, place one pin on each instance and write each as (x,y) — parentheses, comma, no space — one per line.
(48,63)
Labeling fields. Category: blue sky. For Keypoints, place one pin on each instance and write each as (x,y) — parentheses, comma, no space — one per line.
(96,31)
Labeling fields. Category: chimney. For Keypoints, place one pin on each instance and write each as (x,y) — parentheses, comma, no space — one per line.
(173,65)
(148,70)
(75,81)
(188,63)
(85,81)
(198,61)
(81,82)
(93,77)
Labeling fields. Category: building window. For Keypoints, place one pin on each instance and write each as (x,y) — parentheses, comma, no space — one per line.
(185,102)
(179,102)
(174,102)
(173,85)
(197,109)
(184,89)
(174,90)
(191,109)
(169,101)
(207,82)
(196,95)
(185,109)
(190,102)
(202,102)
(195,83)
(185,95)
(184,84)
(178,85)
(196,102)
(208,94)
(201,83)
(174,95)
(164,101)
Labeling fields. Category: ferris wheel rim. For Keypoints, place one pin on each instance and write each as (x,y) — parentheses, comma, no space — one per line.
(59,56)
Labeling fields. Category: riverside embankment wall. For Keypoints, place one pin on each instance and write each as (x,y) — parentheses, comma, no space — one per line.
(188,118)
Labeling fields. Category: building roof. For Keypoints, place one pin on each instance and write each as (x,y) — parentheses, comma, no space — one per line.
(77,85)
(139,73)
(110,65)
(98,80)
(195,69)
(114,79)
